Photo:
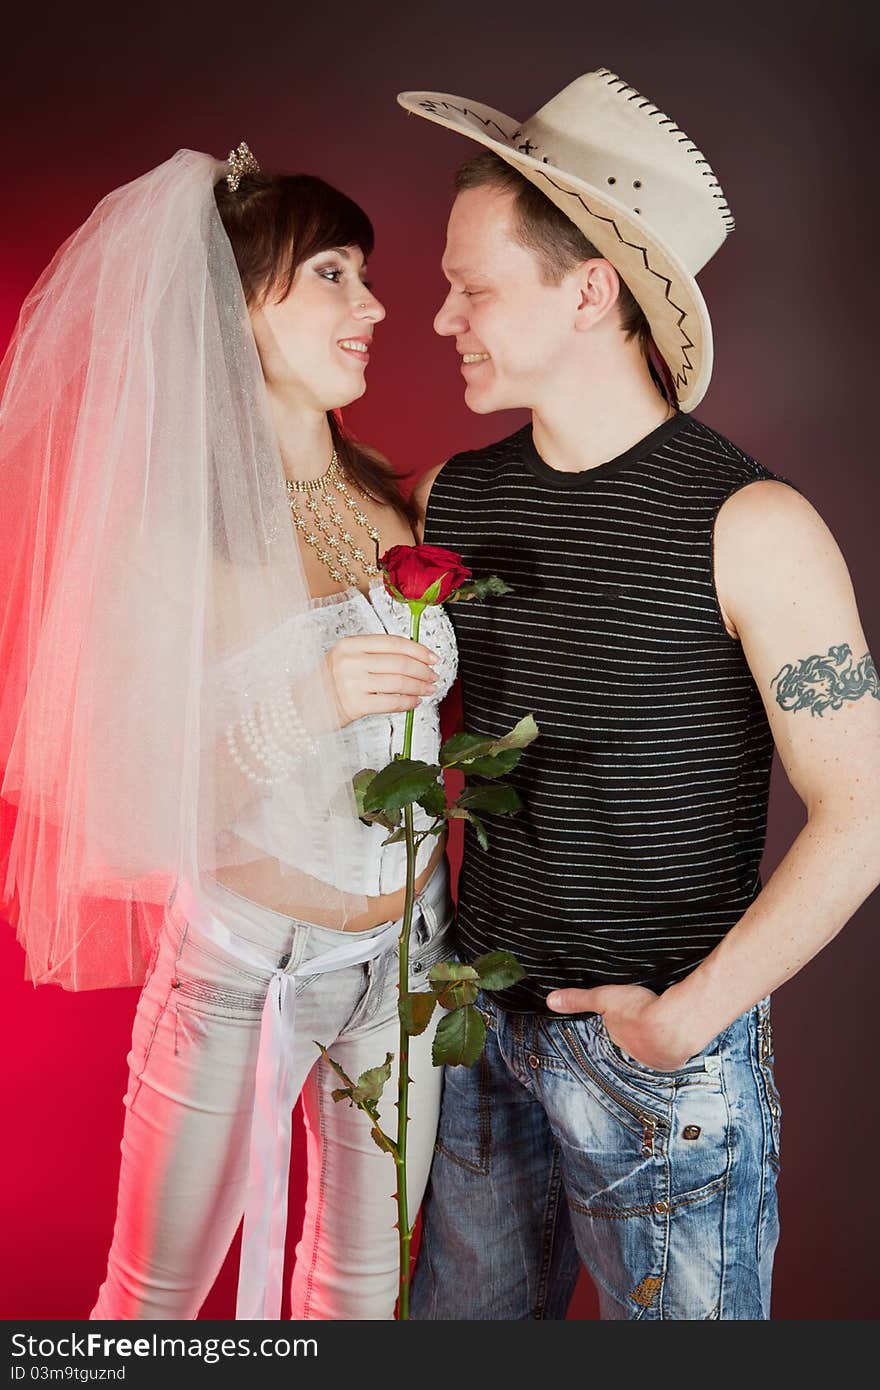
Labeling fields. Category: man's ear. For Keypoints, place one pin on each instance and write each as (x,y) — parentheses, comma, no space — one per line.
(598,288)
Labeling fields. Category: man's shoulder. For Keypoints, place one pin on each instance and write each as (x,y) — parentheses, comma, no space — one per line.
(727,464)
(707,447)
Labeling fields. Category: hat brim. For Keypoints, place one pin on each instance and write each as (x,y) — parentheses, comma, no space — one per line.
(665,290)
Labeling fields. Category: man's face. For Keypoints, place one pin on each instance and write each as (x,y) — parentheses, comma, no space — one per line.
(511,330)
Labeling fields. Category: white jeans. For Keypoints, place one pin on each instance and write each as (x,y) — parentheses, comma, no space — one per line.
(190,1103)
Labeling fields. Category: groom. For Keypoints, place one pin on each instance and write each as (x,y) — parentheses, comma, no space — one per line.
(676,609)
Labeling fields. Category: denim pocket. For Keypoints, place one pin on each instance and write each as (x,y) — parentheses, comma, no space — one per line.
(432,939)
(206,980)
(200,956)
(420,961)
(200,997)
(465,1132)
(695,1069)
(633,1104)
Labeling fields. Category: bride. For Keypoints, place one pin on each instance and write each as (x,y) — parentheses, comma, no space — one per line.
(200,655)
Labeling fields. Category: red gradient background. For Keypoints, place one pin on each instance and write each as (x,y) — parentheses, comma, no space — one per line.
(783,102)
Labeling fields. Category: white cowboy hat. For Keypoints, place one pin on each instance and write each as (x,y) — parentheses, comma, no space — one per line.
(636,186)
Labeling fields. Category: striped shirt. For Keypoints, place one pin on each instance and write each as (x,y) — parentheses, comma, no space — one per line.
(645,795)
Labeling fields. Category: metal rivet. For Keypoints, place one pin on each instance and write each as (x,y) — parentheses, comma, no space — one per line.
(637,183)
(533,1061)
(691,1132)
(612,179)
(661,1208)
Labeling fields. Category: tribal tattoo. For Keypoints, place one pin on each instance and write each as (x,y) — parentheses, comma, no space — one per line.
(823,682)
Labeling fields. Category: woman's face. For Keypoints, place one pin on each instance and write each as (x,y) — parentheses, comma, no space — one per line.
(314,345)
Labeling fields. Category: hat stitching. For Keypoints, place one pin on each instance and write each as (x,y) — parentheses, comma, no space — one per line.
(614,81)
(463,111)
(681,376)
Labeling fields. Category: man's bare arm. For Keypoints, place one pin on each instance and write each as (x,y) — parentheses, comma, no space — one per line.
(786,593)
(782,580)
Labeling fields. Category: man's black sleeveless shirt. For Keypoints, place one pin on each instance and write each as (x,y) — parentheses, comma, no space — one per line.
(645,796)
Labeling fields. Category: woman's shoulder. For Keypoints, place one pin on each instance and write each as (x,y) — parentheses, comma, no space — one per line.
(421,495)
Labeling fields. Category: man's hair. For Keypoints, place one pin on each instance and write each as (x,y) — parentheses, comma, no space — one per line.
(557,243)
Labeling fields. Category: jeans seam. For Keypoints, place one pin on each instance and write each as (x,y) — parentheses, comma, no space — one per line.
(725,1194)
(322,1130)
(771,1092)
(667,1229)
(670,1205)
(551,1216)
(481,1168)
(767,1138)
(154,956)
(138,1080)
(365,1006)
(377,974)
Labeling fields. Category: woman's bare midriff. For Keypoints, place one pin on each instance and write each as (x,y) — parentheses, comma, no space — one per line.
(257,882)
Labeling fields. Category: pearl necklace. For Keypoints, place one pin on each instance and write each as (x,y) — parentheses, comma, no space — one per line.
(332,552)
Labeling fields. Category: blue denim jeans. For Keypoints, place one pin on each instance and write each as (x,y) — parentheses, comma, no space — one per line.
(557,1148)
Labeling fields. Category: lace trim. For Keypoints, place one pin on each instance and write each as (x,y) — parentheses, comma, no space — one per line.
(333,617)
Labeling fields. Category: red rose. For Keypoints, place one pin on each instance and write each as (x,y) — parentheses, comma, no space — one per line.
(410,570)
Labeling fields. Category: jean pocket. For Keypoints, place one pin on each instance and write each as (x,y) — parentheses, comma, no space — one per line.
(200,997)
(704,1068)
(639,1106)
(421,961)
(206,980)
(464,1135)
(432,938)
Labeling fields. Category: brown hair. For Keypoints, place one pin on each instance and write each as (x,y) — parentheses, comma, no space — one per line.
(540,226)
(275,222)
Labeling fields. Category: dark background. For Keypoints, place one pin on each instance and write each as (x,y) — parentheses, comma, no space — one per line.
(782,100)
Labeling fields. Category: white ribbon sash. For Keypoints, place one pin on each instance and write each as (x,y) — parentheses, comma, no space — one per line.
(261,1270)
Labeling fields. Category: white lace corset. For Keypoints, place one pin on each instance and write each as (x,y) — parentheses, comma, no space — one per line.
(272,824)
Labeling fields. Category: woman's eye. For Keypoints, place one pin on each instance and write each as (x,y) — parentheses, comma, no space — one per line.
(332,273)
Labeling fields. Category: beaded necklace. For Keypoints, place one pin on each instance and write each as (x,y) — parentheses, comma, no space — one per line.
(339,550)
